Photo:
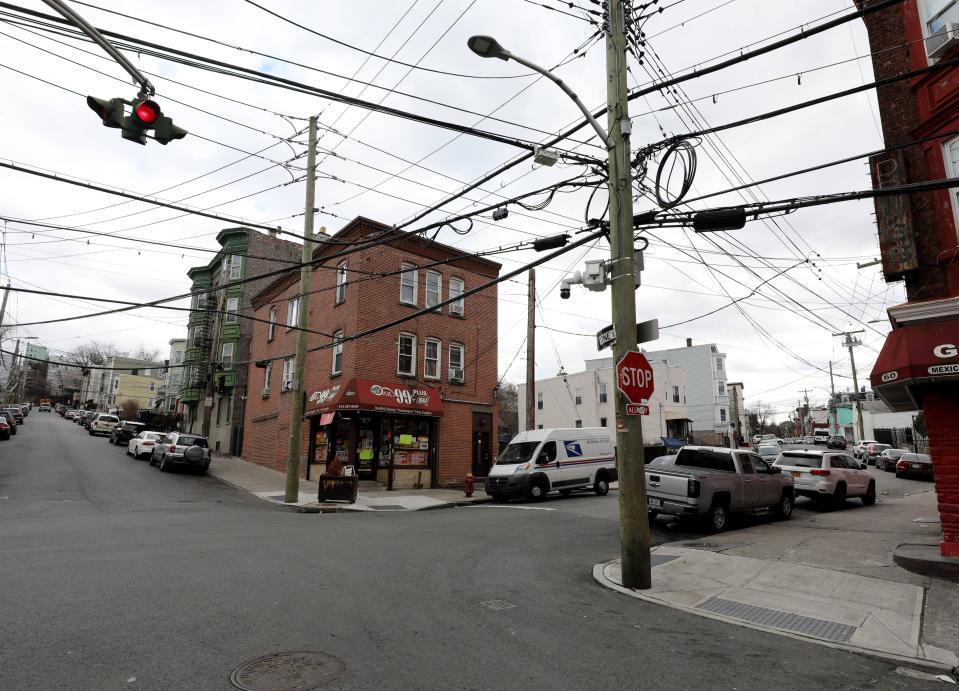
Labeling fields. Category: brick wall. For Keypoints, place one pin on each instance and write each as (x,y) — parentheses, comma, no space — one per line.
(373,300)
(941,407)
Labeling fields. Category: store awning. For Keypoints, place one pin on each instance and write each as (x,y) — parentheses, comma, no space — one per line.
(678,419)
(377,396)
(672,442)
(913,356)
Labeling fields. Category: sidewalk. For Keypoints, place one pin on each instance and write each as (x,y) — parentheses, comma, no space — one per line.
(829,578)
(270,485)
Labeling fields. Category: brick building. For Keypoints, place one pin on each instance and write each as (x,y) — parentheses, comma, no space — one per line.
(919,362)
(411,405)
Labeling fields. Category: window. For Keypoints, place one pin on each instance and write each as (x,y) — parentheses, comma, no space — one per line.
(938,13)
(152,386)
(431,359)
(602,422)
(457,359)
(267,373)
(337,353)
(539,401)
(232,305)
(406,355)
(135,372)
(578,424)
(539,427)
(292,311)
(289,371)
(408,280)
(579,396)
(457,286)
(759,464)
(951,156)
(271,327)
(226,354)
(722,415)
(675,394)
(194,301)
(340,282)
(178,357)
(603,395)
(434,288)
(721,388)
(236,266)
(719,364)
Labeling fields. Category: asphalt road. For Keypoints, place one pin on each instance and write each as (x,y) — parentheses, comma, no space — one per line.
(116,576)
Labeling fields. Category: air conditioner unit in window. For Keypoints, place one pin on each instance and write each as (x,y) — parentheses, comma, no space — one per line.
(289,384)
(456,376)
(943,40)
(266,392)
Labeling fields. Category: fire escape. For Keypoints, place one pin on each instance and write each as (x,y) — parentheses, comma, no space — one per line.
(203,342)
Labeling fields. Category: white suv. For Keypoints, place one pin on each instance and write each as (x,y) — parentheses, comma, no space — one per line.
(103,424)
(828,475)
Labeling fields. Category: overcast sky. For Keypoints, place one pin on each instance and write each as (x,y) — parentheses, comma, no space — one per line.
(48,127)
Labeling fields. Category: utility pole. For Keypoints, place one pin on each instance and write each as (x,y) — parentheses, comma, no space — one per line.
(807,418)
(302,322)
(14,367)
(531,353)
(833,409)
(633,510)
(851,342)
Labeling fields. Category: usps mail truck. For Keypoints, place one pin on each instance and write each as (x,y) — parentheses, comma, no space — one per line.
(540,461)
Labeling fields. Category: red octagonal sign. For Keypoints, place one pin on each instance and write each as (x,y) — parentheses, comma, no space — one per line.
(634,377)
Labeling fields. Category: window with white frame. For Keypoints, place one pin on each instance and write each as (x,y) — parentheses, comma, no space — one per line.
(457,286)
(337,353)
(457,360)
(539,400)
(340,282)
(232,305)
(578,398)
(579,424)
(719,364)
(434,288)
(194,301)
(406,355)
(267,374)
(226,354)
(603,394)
(721,388)
(408,280)
(292,310)
(602,422)
(951,156)
(289,372)
(271,327)
(236,266)
(675,394)
(431,359)
(722,415)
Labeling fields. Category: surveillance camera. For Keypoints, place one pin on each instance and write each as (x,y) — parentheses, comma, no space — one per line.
(564,289)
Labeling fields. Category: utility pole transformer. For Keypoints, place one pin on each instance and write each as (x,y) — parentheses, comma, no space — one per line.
(633,509)
(531,353)
(302,322)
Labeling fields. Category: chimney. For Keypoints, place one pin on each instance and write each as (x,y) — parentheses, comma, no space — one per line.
(689,343)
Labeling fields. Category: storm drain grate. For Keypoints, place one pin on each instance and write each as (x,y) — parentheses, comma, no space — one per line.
(387,507)
(660,559)
(820,628)
(497,604)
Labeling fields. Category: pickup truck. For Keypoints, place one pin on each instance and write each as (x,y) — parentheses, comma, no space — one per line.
(711,482)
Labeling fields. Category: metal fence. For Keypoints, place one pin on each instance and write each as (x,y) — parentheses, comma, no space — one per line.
(902,438)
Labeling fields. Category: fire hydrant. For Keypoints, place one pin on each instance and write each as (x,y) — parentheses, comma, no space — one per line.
(469,484)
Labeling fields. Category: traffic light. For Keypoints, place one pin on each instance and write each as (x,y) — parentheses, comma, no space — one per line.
(166,131)
(143,116)
(110,112)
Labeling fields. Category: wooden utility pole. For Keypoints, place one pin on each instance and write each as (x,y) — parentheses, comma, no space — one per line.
(633,509)
(851,342)
(302,323)
(531,352)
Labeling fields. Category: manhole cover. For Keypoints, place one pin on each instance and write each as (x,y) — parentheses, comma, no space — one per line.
(497,604)
(287,672)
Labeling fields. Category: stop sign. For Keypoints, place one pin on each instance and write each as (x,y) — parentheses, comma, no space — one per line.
(634,377)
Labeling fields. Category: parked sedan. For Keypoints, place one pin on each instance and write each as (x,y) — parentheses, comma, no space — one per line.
(873,451)
(143,443)
(914,465)
(16,413)
(125,431)
(183,449)
(4,429)
(836,442)
(7,416)
(859,450)
(827,475)
(887,459)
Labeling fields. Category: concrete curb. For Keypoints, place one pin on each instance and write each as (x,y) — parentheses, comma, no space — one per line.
(599,575)
(925,559)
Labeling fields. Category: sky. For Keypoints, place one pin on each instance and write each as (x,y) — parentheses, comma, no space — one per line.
(800,271)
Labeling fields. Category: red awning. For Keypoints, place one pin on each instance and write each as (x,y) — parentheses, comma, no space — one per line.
(915,355)
(378,396)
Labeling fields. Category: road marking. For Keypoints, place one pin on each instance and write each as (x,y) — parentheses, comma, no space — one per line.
(505,506)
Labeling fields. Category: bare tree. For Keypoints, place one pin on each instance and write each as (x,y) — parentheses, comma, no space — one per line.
(764,413)
(144,353)
(507,396)
(129,409)
(92,353)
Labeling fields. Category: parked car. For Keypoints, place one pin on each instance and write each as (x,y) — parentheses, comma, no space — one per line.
(538,461)
(859,450)
(125,431)
(4,429)
(101,423)
(873,451)
(87,416)
(7,417)
(756,440)
(769,452)
(16,413)
(26,408)
(662,461)
(808,439)
(836,442)
(914,465)
(70,414)
(142,444)
(180,448)
(711,482)
(887,459)
(45,408)
(830,476)
(770,439)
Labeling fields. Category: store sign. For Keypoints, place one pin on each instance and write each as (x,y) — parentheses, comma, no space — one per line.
(402,395)
(894,217)
(321,397)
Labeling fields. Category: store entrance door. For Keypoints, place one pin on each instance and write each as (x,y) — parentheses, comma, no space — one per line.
(482,436)
(366,451)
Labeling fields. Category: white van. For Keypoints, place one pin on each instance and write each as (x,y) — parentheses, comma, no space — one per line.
(820,436)
(539,461)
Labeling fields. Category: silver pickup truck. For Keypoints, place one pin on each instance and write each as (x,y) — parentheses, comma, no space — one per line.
(710,482)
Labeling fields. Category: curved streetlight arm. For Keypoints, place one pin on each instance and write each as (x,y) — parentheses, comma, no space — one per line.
(600,132)
(145,86)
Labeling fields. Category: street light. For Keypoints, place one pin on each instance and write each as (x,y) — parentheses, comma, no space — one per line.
(489,47)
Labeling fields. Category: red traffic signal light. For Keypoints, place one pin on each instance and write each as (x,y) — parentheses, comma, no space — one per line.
(145,113)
